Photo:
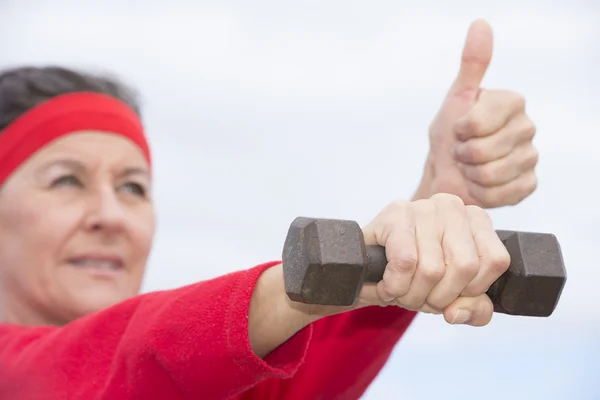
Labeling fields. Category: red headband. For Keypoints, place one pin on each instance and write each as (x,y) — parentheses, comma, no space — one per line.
(61,116)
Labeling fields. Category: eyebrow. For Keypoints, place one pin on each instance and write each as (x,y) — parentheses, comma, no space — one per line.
(69,163)
(134,171)
(80,167)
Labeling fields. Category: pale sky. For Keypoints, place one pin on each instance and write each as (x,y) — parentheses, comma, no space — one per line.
(262,111)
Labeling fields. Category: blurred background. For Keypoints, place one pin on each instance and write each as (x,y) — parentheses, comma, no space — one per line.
(261,111)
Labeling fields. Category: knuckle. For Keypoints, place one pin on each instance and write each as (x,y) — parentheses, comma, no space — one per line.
(468,266)
(529,129)
(396,287)
(447,199)
(516,198)
(475,152)
(475,124)
(489,198)
(397,206)
(403,263)
(499,262)
(516,101)
(477,212)
(533,183)
(423,206)
(513,201)
(528,186)
(532,158)
(485,174)
(433,272)
(423,203)
(474,289)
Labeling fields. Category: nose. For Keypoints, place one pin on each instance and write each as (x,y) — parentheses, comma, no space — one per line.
(105,212)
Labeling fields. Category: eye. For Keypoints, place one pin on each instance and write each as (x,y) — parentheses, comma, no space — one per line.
(135,188)
(66,180)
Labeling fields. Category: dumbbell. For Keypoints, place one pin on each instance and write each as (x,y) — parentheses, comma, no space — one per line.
(326,262)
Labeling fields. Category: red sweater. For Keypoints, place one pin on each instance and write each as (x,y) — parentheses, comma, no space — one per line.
(192,343)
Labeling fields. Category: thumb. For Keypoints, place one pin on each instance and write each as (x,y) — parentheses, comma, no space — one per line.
(476,57)
(474,311)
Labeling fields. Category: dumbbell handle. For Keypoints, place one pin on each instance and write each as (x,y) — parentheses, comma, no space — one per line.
(377,262)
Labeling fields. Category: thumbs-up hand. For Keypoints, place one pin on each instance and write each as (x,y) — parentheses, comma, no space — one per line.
(481,140)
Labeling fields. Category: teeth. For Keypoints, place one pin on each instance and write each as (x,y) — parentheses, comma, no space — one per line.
(96,264)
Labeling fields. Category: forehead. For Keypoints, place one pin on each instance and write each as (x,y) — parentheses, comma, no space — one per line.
(92,147)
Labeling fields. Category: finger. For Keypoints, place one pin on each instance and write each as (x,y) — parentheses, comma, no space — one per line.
(460,253)
(401,252)
(482,150)
(502,171)
(509,194)
(474,311)
(493,256)
(368,292)
(492,111)
(369,296)
(427,309)
(475,59)
(430,266)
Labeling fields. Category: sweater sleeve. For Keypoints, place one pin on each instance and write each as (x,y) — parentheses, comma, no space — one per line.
(346,353)
(190,342)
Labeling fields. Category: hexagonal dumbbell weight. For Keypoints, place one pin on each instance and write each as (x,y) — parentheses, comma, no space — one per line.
(326,261)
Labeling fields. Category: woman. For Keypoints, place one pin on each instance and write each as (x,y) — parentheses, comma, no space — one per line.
(76,228)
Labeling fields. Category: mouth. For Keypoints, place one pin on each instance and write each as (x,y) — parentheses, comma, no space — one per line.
(97,264)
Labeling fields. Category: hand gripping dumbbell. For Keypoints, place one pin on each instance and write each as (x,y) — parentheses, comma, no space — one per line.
(326,262)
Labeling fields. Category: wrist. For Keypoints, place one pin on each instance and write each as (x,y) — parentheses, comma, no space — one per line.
(301,313)
(273,318)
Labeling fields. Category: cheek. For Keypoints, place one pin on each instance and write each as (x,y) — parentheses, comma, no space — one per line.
(20,232)
(27,243)
(51,228)
(142,228)
(13,249)
(30,233)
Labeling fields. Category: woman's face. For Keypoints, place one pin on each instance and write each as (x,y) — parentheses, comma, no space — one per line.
(76,227)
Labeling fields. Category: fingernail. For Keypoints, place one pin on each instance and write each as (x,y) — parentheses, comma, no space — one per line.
(386,297)
(462,316)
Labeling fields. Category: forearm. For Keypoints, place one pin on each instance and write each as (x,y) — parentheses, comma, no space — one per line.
(273,318)
(356,345)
